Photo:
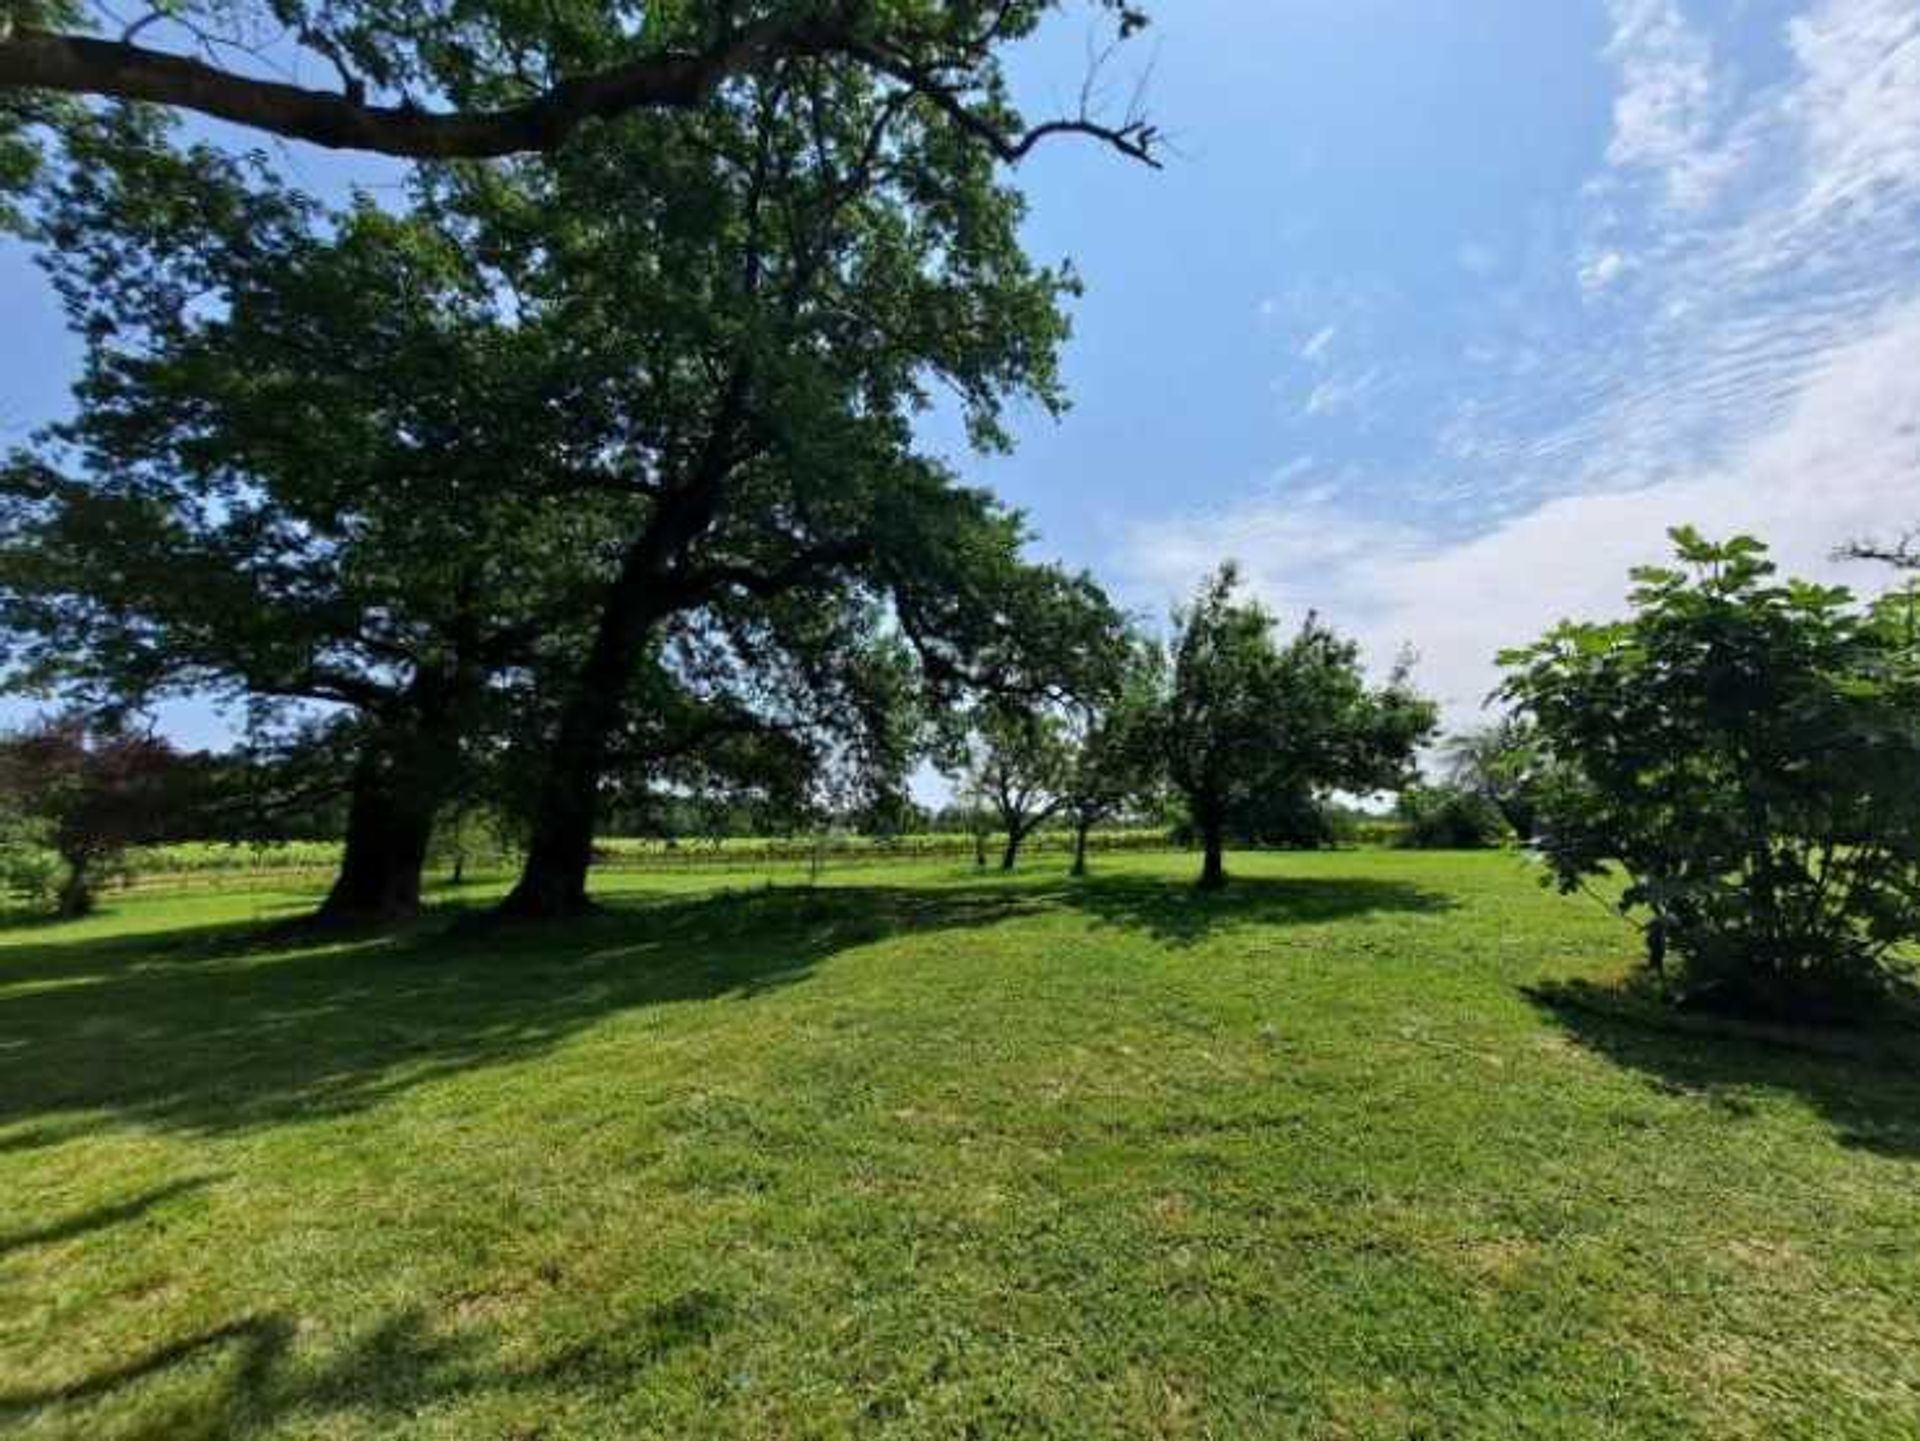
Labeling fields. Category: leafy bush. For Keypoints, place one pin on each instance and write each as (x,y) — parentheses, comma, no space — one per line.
(29,871)
(1450,818)
(1748,752)
(90,793)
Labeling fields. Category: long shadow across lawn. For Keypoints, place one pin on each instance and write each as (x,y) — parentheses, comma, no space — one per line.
(99,1218)
(1181,914)
(220,1027)
(1865,1083)
(214,1028)
(395,1367)
(217,1028)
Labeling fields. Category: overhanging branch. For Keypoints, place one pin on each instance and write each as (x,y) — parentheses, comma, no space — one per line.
(35,59)
(118,69)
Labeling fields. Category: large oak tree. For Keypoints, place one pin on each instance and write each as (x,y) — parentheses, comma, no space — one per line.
(566,432)
(761,345)
(306,471)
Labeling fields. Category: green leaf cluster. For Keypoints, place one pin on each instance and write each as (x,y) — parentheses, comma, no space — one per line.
(1746,749)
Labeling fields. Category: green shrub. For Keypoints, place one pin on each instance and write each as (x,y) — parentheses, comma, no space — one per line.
(30,872)
(1450,818)
(1747,751)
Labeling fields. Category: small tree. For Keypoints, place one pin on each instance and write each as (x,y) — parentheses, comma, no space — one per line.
(1493,762)
(1117,759)
(1019,762)
(1249,719)
(91,795)
(1747,751)
(1449,817)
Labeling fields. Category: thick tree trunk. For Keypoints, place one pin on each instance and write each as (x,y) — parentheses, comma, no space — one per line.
(1213,870)
(389,822)
(1657,946)
(76,892)
(553,881)
(1010,854)
(1080,830)
(403,774)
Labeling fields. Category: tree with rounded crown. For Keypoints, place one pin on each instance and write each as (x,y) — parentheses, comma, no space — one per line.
(90,792)
(542,432)
(758,354)
(306,472)
(1018,762)
(1248,719)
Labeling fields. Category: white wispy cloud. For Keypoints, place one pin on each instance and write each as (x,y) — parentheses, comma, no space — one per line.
(1317,343)
(1671,105)
(1716,317)
(1341,392)
(1843,461)
(1755,366)
(1600,271)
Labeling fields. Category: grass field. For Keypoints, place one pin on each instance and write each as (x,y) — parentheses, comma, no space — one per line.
(1366,1147)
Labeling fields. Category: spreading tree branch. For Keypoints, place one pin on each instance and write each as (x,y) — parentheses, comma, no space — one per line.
(1903,554)
(36,59)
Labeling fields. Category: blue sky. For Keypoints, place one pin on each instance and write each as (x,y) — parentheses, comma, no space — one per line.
(1441,312)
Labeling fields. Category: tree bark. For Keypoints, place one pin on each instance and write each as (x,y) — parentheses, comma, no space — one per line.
(400,779)
(553,880)
(1011,853)
(36,59)
(76,892)
(87,65)
(1213,870)
(1080,830)
(389,822)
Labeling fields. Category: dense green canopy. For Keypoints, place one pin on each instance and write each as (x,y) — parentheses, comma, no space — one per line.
(603,455)
(1746,750)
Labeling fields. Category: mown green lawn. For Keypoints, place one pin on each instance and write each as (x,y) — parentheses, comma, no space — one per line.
(1364,1147)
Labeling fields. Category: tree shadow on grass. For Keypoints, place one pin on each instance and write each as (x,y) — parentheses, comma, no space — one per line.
(98,1218)
(1866,1083)
(393,1369)
(221,1027)
(217,1028)
(1180,914)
